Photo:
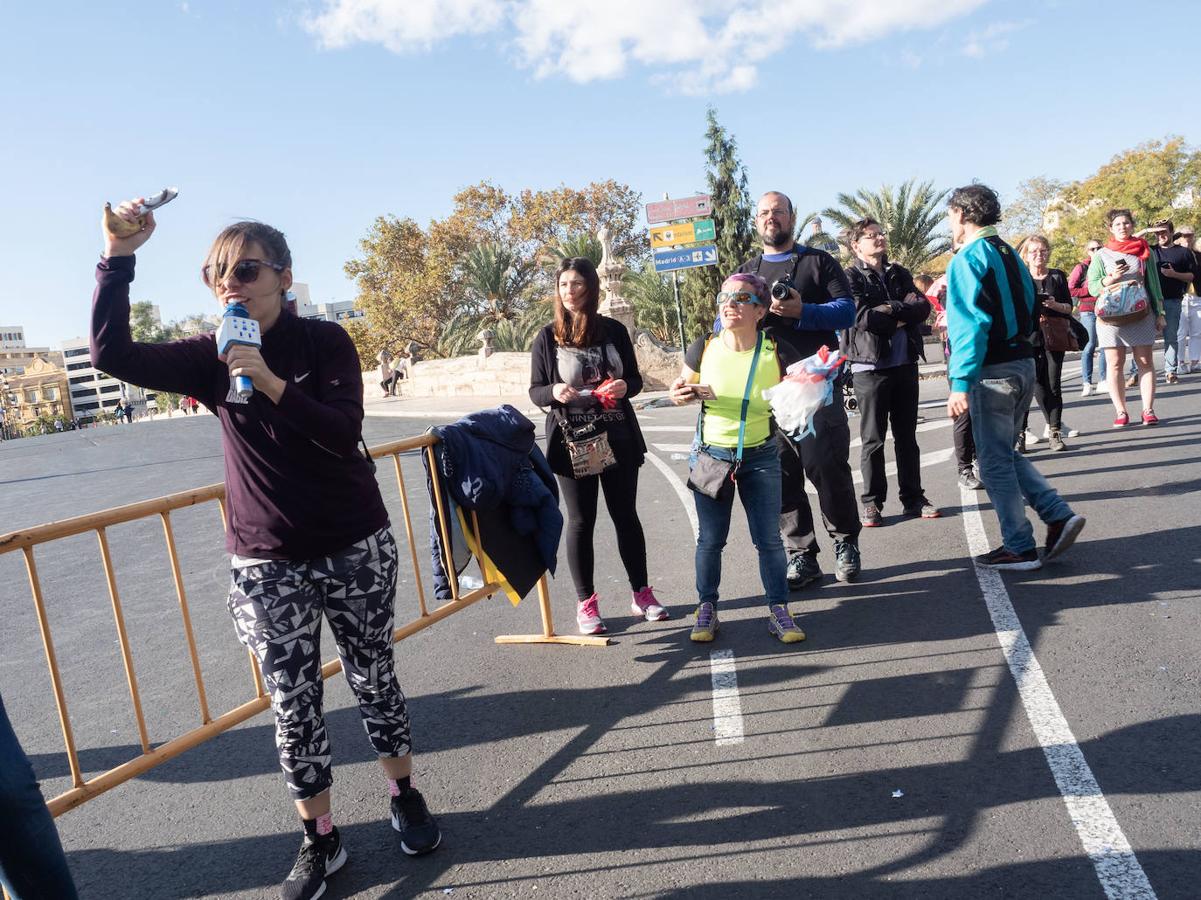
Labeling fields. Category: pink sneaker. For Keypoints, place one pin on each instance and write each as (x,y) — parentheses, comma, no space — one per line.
(587,616)
(1121,420)
(1149,417)
(645,605)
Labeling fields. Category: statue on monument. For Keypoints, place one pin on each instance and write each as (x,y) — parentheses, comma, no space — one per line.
(611,271)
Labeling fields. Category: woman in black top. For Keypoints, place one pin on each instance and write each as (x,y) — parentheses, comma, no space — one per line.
(571,357)
(1055,301)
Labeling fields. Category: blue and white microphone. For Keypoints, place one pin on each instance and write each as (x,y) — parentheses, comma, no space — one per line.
(238,328)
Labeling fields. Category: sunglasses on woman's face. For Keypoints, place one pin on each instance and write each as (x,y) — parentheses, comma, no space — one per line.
(245,271)
(736,298)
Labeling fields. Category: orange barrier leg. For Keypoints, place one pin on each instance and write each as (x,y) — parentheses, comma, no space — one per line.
(548,635)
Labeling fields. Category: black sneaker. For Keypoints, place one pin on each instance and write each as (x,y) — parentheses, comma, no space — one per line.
(871,516)
(1061,535)
(1004,558)
(968,479)
(316,860)
(1020,445)
(802,570)
(419,832)
(846,560)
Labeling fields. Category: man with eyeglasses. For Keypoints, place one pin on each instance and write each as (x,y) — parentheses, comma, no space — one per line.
(1177,269)
(811,299)
(1086,306)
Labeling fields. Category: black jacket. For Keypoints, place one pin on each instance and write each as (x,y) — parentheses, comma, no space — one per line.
(625,437)
(878,308)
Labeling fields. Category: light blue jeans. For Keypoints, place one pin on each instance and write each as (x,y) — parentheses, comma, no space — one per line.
(1089,321)
(1171,329)
(998,403)
(758,486)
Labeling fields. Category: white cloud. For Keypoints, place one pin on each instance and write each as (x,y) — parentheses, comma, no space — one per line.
(692,46)
(993,38)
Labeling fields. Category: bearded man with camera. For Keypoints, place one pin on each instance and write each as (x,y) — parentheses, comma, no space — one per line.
(810,300)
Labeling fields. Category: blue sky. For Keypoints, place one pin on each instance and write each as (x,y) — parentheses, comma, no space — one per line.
(317,117)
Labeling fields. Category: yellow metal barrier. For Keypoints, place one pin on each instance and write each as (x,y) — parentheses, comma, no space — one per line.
(26,540)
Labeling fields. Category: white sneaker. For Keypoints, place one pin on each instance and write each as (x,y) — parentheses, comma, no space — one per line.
(1086,390)
(1065,430)
(1033,438)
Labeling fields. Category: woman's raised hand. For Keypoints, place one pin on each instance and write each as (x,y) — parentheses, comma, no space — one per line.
(115,245)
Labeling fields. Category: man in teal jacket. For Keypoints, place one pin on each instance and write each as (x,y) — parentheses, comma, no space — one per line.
(990,323)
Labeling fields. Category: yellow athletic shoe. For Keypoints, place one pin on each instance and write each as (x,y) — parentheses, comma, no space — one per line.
(780,623)
(706,623)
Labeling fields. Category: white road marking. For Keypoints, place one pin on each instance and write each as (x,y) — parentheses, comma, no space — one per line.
(681,490)
(1117,868)
(933,458)
(727,705)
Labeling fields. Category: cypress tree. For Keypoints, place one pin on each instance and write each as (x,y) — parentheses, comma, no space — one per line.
(733,216)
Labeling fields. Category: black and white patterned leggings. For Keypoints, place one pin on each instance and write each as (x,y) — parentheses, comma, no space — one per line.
(276,607)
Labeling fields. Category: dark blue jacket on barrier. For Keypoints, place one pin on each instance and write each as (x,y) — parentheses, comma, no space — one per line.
(489,461)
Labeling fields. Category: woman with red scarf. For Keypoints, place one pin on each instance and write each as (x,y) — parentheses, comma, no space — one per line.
(1127,259)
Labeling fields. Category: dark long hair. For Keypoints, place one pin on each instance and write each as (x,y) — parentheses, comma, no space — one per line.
(580,329)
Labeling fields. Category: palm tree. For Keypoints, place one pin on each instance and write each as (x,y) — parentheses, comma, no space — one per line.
(495,278)
(910,217)
(654,303)
(586,245)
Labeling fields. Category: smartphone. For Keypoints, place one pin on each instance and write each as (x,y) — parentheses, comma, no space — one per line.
(702,391)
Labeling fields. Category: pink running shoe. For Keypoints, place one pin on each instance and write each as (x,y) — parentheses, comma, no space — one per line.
(587,616)
(1149,417)
(1121,420)
(645,605)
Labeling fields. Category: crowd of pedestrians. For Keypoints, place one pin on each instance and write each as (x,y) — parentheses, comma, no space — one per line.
(1007,319)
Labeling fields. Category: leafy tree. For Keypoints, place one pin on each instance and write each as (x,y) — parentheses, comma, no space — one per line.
(911,217)
(146,328)
(414,281)
(733,216)
(1024,216)
(1155,180)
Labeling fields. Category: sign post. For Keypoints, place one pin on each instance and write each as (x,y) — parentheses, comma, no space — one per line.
(688,240)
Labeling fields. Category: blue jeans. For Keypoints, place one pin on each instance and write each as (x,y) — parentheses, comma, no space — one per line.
(758,486)
(1089,321)
(998,403)
(1171,329)
(32,864)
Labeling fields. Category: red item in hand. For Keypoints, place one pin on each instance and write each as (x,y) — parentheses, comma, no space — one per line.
(603,393)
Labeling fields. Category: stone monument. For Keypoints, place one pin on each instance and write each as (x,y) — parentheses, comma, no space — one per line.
(611,271)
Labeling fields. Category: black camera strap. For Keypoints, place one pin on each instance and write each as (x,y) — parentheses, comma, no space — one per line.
(796,264)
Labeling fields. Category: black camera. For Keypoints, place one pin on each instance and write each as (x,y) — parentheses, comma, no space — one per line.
(781,288)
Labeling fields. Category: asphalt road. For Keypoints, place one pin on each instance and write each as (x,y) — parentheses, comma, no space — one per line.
(890,754)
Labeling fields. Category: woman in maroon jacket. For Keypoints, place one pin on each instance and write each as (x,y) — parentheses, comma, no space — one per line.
(307,528)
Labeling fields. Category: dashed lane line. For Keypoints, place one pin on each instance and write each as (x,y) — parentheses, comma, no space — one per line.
(727,705)
(1117,868)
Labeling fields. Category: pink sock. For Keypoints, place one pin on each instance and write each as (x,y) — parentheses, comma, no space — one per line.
(325,824)
(393,790)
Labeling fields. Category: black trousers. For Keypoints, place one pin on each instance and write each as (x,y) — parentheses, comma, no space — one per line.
(888,398)
(824,459)
(965,444)
(620,484)
(1048,391)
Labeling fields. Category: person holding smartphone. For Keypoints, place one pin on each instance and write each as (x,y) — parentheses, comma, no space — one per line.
(570,359)
(306,525)
(736,366)
(1128,258)
(1054,300)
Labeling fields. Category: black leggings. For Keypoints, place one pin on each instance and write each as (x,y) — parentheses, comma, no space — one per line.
(1048,373)
(620,484)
